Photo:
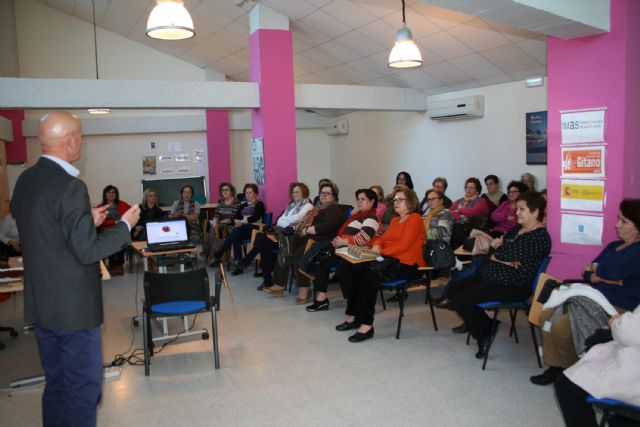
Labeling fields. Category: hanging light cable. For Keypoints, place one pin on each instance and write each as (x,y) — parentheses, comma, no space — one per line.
(405,53)
(95,50)
(170,20)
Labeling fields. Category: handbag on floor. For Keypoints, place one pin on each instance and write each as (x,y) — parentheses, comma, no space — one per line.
(438,254)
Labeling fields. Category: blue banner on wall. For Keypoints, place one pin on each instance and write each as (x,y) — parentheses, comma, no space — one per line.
(537,138)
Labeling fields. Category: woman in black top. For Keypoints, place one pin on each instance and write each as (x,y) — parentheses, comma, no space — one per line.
(508,274)
(149,211)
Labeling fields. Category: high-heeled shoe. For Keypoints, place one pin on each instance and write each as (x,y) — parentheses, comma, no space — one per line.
(361,336)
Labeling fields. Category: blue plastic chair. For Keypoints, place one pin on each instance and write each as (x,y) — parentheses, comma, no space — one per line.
(175,295)
(513,308)
(612,407)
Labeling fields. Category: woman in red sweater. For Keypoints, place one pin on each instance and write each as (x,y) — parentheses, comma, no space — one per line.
(403,239)
(111,197)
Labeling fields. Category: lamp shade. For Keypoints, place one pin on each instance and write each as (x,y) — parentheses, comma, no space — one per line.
(99,111)
(405,53)
(169,20)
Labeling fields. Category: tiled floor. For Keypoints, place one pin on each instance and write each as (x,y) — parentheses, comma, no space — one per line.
(283,366)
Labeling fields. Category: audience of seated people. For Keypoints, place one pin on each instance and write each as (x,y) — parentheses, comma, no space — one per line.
(468,211)
(149,211)
(111,197)
(251,212)
(188,209)
(265,244)
(359,229)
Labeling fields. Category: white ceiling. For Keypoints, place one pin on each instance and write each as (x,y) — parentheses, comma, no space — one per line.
(341,41)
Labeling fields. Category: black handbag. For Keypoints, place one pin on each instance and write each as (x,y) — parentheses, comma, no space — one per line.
(387,269)
(317,253)
(438,254)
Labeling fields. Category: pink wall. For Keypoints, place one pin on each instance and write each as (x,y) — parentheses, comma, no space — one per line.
(271,65)
(596,71)
(16,150)
(218,149)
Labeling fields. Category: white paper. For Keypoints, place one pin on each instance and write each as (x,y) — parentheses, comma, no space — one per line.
(183,157)
(166,171)
(582,195)
(184,170)
(198,155)
(581,229)
(175,146)
(582,126)
(165,158)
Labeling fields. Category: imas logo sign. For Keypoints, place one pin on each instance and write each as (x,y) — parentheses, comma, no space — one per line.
(582,126)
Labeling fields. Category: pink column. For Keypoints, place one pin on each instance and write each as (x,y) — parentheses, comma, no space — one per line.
(596,71)
(17,149)
(271,66)
(218,150)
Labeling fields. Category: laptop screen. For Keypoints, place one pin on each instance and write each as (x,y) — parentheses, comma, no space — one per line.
(167,231)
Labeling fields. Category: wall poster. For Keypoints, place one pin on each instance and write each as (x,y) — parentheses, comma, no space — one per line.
(257,155)
(582,126)
(583,162)
(582,195)
(536,138)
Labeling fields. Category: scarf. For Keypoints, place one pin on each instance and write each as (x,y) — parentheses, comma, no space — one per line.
(358,216)
(295,207)
(309,218)
(190,209)
(429,216)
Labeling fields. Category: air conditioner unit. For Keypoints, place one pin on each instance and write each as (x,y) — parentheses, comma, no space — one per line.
(337,127)
(458,108)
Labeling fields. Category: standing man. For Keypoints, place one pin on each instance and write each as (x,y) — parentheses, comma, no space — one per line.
(61,253)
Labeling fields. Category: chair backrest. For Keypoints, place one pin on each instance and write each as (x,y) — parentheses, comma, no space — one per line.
(167,287)
(347,209)
(267,218)
(541,269)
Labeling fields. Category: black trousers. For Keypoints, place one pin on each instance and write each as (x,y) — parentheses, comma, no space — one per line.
(576,411)
(363,293)
(266,248)
(345,272)
(322,273)
(116,259)
(471,291)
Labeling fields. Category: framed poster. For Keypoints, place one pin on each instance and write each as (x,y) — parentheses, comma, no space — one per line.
(536,138)
(257,155)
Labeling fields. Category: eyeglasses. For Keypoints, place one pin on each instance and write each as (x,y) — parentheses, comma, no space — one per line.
(326,193)
(398,199)
(432,199)
(514,191)
(296,191)
(226,189)
(470,187)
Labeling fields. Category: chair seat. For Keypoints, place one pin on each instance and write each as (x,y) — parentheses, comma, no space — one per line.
(500,304)
(393,283)
(178,307)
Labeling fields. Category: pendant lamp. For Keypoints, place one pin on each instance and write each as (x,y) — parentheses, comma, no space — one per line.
(170,20)
(95,51)
(405,53)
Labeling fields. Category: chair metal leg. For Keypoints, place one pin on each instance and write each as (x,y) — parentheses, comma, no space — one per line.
(214,331)
(430,301)
(401,294)
(145,341)
(513,313)
(468,337)
(535,344)
(384,303)
(494,327)
(292,273)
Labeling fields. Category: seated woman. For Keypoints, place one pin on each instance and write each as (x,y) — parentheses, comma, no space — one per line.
(403,240)
(359,229)
(529,180)
(615,273)
(320,224)
(609,370)
(111,197)
(509,272)
(504,216)
(149,212)
(188,209)
(493,196)
(437,220)
(245,221)
(297,208)
(440,183)
(226,211)
(403,178)
(466,208)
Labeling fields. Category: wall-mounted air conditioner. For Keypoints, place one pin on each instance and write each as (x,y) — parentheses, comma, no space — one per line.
(337,127)
(458,108)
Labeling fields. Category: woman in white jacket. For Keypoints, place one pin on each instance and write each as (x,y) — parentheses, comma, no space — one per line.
(609,370)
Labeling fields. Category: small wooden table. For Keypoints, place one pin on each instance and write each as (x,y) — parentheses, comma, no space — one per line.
(141,249)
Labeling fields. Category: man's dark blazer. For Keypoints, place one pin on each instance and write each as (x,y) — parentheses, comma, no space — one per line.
(61,248)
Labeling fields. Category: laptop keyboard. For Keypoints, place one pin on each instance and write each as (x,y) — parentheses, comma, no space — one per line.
(171,247)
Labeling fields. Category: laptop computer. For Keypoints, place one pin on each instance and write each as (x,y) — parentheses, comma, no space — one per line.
(168,235)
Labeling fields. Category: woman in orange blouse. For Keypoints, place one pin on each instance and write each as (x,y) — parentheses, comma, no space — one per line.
(403,240)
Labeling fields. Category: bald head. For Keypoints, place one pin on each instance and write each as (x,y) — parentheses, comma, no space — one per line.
(60,135)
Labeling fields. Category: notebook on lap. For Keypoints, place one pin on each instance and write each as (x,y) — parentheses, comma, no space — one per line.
(168,235)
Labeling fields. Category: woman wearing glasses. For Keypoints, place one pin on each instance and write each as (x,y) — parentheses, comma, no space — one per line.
(403,240)
(504,216)
(468,207)
(321,224)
